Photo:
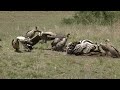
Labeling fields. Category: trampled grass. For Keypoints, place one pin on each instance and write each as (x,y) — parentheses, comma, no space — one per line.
(46,64)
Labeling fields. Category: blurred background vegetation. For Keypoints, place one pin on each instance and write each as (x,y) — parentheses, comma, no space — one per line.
(93,17)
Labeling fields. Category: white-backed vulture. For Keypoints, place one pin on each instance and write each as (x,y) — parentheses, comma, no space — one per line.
(28,43)
(15,44)
(55,41)
(23,39)
(47,36)
(61,44)
(35,40)
(25,42)
(108,48)
(31,33)
(48,33)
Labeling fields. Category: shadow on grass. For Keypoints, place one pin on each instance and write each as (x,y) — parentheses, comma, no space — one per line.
(19,51)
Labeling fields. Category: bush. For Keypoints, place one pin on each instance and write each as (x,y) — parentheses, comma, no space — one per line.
(93,17)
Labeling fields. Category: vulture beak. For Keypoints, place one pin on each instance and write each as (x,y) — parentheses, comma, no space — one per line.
(107,40)
(40,33)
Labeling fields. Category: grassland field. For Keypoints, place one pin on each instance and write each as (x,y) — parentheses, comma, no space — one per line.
(47,64)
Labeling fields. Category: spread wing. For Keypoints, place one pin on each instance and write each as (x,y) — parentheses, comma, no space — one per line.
(56,40)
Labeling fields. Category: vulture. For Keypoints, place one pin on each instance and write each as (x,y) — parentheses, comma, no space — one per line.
(35,40)
(15,44)
(47,36)
(25,42)
(108,48)
(57,39)
(31,33)
(23,39)
(59,44)
(28,43)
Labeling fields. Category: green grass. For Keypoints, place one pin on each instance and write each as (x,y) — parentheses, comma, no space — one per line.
(46,64)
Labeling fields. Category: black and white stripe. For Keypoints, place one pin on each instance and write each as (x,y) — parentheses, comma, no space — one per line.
(82,47)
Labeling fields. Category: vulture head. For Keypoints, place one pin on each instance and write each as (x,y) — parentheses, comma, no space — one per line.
(68,34)
(107,41)
(36,29)
(40,33)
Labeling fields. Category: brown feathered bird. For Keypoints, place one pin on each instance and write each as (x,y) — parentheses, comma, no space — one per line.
(47,36)
(35,40)
(57,39)
(60,44)
(31,33)
(15,44)
(108,48)
(25,42)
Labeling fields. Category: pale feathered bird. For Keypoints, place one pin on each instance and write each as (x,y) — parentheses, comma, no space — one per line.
(47,36)
(57,39)
(23,39)
(35,40)
(15,44)
(25,42)
(60,44)
(108,48)
(31,33)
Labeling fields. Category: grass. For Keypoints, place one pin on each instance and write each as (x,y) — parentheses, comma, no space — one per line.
(46,64)
(93,17)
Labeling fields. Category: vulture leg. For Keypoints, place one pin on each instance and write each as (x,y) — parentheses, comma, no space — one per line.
(26,48)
